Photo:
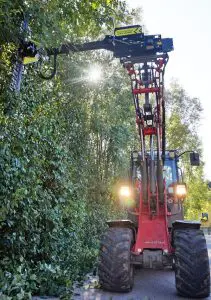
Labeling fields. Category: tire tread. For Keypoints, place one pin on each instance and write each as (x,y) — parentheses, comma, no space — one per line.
(192,272)
(114,268)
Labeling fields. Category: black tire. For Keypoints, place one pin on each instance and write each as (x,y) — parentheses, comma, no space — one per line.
(192,273)
(115,270)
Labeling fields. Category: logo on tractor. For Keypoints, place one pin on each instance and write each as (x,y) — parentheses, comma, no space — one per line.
(154,242)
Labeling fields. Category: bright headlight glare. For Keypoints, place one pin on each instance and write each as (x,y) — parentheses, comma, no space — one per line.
(181,190)
(125,191)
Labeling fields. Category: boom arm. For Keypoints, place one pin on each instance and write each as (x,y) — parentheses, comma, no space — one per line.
(132,45)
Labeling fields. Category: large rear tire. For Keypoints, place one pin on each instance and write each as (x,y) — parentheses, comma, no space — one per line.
(192,273)
(115,269)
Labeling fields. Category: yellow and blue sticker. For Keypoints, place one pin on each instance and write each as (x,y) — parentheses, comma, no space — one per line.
(128,30)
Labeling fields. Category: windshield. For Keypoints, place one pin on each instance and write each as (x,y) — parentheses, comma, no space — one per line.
(170,173)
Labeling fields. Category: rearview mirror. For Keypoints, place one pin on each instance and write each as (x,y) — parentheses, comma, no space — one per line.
(194,159)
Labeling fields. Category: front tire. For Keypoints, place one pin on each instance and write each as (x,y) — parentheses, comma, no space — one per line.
(192,273)
(115,269)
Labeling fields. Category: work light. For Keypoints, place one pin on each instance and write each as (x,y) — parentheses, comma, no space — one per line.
(125,191)
(181,190)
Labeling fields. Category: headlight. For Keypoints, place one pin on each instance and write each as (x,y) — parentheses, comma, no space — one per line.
(126,196)
(181,190)
(125,191)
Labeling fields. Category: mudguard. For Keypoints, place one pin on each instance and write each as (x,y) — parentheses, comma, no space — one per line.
(121,223)
(183,224)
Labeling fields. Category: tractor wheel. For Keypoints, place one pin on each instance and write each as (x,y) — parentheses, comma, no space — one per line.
(192,272)
(115,269)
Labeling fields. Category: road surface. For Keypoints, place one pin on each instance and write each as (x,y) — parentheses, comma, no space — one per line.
(148,285)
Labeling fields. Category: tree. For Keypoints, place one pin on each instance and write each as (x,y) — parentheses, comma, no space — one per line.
(62,145)
(183,119)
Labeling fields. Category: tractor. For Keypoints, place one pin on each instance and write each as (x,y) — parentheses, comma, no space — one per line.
(155,234)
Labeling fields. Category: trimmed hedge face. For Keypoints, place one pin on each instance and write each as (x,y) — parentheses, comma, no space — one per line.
(62,146)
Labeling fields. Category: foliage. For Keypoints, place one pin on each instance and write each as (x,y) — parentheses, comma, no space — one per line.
(63,143)
(54,21)
(183,119)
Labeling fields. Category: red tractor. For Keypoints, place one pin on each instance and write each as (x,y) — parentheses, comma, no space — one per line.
(155,234)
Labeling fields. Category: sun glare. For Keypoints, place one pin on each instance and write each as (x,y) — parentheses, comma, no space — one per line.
(95,74)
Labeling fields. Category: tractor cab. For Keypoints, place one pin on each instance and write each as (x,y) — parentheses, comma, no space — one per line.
(172,174)
(175,188)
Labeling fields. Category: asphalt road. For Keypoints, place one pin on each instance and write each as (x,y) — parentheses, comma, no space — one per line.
(148,285)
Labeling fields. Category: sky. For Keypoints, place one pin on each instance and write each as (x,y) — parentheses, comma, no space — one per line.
(188,22)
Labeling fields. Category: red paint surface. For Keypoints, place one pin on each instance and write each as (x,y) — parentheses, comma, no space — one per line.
(153,227)
(149,131)
(145,90)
